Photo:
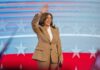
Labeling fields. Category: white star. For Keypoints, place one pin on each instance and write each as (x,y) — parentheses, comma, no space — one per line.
(20,49)
(21,26)
(1,67)
(92,52)
(76,68)
(76,52)
(29,30)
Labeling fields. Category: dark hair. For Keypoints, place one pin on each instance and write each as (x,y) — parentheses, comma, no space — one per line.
(43,18)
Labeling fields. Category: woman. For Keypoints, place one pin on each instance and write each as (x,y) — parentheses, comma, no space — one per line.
(48,52)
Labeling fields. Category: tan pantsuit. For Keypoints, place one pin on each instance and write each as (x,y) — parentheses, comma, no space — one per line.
(47,52)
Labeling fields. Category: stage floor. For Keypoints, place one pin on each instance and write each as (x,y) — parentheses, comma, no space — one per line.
(21,62)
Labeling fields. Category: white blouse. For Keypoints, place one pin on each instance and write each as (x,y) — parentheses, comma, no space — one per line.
(50,33)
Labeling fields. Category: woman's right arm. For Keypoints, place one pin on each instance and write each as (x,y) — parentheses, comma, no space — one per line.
(36,18)
(35,23)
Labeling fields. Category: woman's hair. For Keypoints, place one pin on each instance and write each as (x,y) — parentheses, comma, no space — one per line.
(44,17)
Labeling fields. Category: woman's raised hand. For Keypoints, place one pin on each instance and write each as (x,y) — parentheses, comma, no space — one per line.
(44,8)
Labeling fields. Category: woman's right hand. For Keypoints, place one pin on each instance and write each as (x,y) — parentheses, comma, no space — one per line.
(44,9)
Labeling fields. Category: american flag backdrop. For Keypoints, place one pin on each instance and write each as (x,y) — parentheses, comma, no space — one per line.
(78,22)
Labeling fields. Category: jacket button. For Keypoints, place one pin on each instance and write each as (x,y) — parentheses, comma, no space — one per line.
(50,49)
(50,43)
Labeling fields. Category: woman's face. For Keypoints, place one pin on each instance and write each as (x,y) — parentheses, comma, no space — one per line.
(48,20)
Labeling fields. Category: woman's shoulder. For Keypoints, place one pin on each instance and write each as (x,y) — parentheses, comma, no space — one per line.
(56,28)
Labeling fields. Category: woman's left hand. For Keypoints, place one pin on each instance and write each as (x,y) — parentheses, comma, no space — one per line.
(61,61)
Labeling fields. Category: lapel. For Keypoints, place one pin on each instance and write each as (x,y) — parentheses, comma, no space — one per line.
(47,35)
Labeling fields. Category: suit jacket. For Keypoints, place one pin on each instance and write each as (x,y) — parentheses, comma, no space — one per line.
(46,49)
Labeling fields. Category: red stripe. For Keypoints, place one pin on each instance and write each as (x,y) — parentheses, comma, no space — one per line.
(26,3)
(14,61)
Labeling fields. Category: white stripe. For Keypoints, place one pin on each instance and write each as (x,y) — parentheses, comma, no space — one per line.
(81,35)
(62,35)
(17,36)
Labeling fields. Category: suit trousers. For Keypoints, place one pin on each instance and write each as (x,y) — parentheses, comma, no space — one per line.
(47,65)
